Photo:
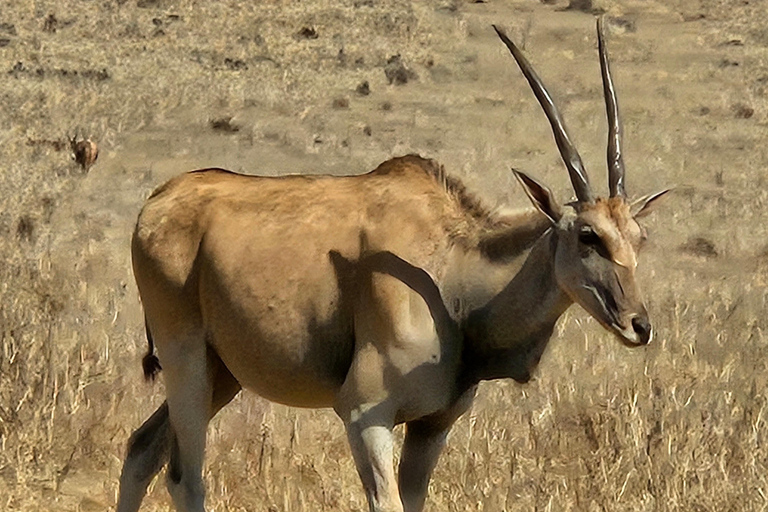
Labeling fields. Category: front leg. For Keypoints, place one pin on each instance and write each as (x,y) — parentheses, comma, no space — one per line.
(424,442)
(421,450)
(370,437)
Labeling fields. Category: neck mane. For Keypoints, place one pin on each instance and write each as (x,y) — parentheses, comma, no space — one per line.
(506,337)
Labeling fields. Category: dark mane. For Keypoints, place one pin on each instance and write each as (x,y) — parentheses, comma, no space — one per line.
(497,236)
(468,202)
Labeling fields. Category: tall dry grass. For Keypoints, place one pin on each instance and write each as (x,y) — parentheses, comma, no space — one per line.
(677,426)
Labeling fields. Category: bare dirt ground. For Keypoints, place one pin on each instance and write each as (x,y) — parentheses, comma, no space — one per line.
(275,87)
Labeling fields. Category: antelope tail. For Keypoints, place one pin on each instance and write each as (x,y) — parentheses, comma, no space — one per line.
(150,363)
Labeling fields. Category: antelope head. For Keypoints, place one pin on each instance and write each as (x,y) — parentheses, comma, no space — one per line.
(598,238)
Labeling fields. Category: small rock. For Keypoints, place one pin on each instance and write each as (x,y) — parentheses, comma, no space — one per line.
(50,24)
(694,16)
(447,6)
(363,89)
(584,6)
(367,130)
(307,33)
(224,124)
(340,103)
(25,229)
(235,64)
(699,246)
(396,72)
(742,111)
(623,24)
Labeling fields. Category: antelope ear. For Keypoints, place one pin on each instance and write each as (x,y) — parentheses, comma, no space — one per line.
(540,196)
(645,205)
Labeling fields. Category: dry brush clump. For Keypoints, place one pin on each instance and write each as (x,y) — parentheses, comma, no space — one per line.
(679,425)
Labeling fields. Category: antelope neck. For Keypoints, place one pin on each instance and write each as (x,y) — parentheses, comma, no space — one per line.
(506,337)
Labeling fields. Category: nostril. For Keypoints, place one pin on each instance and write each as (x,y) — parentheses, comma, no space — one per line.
(642,327)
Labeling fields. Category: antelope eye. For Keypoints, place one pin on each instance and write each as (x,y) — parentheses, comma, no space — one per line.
(587,236)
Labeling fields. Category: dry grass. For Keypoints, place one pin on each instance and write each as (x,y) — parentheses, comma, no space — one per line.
(677,426)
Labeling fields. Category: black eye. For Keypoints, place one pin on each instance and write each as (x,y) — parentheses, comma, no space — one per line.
(587,236)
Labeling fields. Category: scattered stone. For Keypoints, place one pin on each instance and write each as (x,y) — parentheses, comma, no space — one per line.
(148,4)
(396,72)
(25,228)
(8,28)
(157,22)
(387,106)
(742,111)
(50,24)
(340,103)
(363,89)
(235,64)
(727,63)
(98,75)
(56,145)
(367,130)
(224,124)
(623,24)
(699,246)
(4,42)
(694,17)
(584,6)
(307,33)
(702,111)
(447,6)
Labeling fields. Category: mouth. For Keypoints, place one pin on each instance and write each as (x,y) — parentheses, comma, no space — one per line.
(607,315)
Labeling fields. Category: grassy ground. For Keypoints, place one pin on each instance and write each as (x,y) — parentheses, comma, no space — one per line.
(276,86)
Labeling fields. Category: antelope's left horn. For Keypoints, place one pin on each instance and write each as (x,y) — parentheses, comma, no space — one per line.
(615,158)
(568,151)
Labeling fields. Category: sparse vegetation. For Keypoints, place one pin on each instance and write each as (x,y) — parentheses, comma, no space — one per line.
(680,425)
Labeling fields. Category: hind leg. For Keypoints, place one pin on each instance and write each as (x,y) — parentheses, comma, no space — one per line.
(147,453)
(149,446)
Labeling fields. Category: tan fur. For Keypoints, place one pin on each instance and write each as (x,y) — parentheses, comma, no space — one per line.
(313,291)
(387,296)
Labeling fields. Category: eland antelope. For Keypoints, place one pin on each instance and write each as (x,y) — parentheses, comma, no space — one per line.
(388,296)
